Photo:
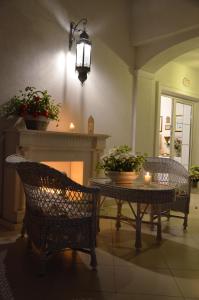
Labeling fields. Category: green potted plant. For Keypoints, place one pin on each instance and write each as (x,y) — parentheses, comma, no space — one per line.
(194,174)
(121,165)
(35,106)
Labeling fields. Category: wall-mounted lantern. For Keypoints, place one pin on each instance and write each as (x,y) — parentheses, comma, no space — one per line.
(83,49)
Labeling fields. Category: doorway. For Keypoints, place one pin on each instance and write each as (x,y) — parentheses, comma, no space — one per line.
(175,129)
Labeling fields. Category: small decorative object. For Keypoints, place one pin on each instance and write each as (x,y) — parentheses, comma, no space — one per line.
(147,178)
(121,165)
(194,174)
(178,146)
(186,81)
(167,139)
(90,125)
(35,106)
(72,126)
(167,127)
(83,49)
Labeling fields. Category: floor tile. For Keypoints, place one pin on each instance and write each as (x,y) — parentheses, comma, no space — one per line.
(133,279)
(187,282)
(148,258)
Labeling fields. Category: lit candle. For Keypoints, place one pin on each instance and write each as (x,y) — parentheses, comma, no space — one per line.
(72,126)
(147,178)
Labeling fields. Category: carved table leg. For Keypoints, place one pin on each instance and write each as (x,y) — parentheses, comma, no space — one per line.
(138,241)
(119,212)
(159,226)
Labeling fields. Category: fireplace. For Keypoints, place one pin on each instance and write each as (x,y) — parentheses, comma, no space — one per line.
(73,169)
(73,153)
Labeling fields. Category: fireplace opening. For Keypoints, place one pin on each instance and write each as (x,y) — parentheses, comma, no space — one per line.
(73,169)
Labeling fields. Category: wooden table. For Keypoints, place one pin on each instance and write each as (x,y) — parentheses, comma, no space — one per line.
(140,194)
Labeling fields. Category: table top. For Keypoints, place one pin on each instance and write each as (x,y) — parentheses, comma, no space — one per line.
(137,191)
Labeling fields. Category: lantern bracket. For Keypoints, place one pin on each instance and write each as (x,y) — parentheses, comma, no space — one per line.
(74,28)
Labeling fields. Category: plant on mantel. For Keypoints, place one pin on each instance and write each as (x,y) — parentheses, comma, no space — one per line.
(31,103)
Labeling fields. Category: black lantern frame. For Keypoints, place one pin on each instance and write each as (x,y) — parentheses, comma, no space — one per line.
(83,49)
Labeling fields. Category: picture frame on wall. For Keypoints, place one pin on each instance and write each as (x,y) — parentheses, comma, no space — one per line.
(168,127)
(160,123)
(179,123)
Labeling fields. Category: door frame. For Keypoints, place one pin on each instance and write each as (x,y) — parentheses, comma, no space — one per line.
(175,93)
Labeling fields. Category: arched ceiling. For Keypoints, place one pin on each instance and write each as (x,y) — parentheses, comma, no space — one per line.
(172,54)
(190,59)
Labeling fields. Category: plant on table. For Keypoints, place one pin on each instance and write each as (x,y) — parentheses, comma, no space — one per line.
(121,159)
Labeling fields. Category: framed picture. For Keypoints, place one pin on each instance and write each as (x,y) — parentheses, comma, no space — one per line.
(179,123)
(161,123)
(167,126)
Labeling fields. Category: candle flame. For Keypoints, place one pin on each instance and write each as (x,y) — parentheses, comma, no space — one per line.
(72,126)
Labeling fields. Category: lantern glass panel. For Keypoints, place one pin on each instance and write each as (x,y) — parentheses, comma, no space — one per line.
(87,55)
(79,54)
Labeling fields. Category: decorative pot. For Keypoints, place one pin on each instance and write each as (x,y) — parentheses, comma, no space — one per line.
(36,123)
(122,177)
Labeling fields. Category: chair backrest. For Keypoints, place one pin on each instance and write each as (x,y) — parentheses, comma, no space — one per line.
(167,170)
(51,193)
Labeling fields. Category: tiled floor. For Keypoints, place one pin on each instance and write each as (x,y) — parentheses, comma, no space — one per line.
(159,272)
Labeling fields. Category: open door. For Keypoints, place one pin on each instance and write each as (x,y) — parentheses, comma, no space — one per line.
(175,129)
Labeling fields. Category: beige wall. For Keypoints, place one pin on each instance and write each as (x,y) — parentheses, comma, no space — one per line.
(34,51)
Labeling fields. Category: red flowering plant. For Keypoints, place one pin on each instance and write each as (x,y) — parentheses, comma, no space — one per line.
(31,102)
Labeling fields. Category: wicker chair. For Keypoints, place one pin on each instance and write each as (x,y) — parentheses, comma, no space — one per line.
(168,171)
(59,212)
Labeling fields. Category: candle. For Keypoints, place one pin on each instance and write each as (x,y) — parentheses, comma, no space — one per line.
(72,126)
(147,178)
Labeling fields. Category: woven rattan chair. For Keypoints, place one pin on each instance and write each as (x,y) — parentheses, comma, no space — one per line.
(59,212)
(168,171)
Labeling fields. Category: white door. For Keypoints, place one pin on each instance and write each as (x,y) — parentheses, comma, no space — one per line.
(175,129)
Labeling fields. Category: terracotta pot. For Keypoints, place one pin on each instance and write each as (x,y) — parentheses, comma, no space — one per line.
(122,177)
(36,123)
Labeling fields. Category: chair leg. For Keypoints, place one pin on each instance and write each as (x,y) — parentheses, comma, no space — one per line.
(23,229)
(93,262)
(151,219)
(185,222)
(159,225)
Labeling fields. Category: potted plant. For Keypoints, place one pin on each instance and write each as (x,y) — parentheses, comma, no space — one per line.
(194,174)
(35,106)
(121,165)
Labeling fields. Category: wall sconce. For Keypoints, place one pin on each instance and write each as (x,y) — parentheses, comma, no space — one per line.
(83,49)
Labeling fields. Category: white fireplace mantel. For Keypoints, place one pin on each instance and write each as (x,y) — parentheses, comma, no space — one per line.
(43,146)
